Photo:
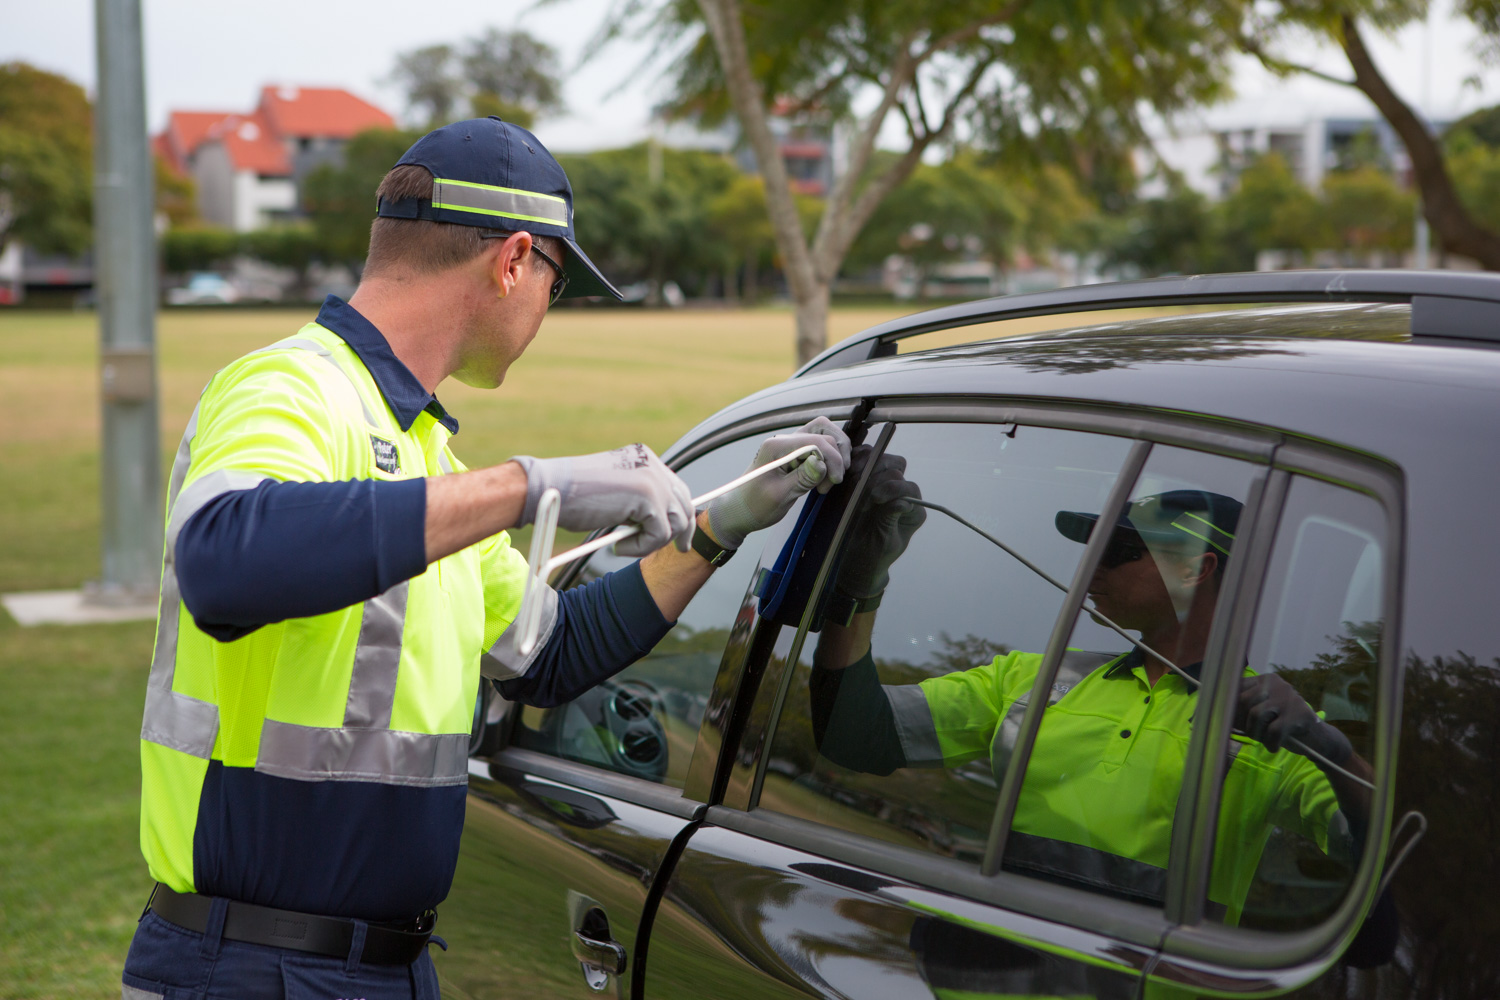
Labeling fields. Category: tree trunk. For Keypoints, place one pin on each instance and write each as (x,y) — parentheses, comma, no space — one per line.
(812,324)
(731,289)
(1450,221)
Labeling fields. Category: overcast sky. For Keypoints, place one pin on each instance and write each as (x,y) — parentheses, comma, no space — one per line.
(213,55)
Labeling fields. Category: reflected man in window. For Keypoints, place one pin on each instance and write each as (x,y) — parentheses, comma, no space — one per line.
(1102,782)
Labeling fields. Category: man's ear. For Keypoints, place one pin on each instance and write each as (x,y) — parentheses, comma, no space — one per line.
(505,262)
(1201,567)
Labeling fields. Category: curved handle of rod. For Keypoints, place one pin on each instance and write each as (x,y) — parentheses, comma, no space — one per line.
(543,536)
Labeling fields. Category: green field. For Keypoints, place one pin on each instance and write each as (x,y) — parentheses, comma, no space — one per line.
(72,881)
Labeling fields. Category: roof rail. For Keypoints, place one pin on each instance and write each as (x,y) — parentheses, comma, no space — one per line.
(1447,305)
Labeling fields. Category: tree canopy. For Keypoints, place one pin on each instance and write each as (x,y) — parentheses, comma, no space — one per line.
(510,74)
(46,160)
(1036,80)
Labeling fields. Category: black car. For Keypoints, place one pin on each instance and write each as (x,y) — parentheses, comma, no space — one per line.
(684,830)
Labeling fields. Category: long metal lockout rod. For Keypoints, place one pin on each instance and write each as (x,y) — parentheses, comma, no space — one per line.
(542,562)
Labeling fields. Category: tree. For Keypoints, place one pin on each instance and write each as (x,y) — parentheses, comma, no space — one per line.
(513,75)
(1014,74)
(1368,211)
(1269,209)
(432,88)
(509,74)
(959,208)
(340,201)
(737,217)
(175,194)
(46,160)
(640,225)
(1454,224)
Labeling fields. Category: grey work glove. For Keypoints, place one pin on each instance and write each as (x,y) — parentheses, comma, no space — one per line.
(629,485)
(883,528)
(765,499)
(1271,711)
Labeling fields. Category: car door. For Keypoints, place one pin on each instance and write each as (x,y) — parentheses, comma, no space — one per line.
(820,877)
(573,810)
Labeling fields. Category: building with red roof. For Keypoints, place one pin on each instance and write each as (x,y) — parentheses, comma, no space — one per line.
(249,167)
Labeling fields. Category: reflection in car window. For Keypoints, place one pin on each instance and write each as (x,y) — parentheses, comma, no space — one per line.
(644,720)
(1096,805)
(1291,827)
(919,598)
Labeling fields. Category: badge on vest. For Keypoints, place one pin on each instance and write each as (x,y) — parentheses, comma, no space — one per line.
(386,457)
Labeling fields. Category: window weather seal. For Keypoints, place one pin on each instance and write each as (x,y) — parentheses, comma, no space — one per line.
(1195,821)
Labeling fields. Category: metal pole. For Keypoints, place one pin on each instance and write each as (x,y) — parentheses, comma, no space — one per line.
(125,283)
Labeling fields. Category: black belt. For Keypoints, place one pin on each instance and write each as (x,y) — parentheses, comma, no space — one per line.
(333,936)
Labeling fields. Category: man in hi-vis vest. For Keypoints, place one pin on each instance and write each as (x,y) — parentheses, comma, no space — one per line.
(335,582)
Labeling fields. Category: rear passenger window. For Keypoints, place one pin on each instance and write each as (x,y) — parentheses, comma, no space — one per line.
(1097,803)
(644,721)
(1292,823)
(924,598)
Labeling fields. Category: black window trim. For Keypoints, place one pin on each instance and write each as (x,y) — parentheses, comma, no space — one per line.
(1232,948)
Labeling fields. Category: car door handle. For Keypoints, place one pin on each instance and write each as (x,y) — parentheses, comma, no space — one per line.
(606,955)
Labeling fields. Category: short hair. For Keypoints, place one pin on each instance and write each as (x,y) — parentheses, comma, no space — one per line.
(421,245)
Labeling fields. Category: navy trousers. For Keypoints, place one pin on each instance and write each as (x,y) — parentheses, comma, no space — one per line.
(173,963)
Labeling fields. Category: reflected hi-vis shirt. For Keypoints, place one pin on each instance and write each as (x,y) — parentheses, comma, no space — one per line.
(1104,774)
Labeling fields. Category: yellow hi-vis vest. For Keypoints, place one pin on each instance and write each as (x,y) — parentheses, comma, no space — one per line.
(375,696)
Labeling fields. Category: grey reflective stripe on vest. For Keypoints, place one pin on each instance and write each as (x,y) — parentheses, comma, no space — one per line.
(383,756)
(365,748)
(505,203)
(128,992)
(502,662)
(1075,666)
(914,725)
(1079,865)
(171,719)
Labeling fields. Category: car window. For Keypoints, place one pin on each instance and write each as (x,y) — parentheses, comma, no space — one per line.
(644,720)
(1096,803)
(1291,827)
(922,601)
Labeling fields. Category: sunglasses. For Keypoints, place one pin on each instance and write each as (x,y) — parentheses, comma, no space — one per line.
(558,284)
(1123,547)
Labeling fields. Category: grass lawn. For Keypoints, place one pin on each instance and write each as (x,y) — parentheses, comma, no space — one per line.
(72,881)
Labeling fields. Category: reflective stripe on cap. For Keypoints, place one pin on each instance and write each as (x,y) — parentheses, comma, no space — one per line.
(500,202)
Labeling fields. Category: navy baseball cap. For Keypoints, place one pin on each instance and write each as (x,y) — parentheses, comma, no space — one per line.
(496,175)
(1196,519)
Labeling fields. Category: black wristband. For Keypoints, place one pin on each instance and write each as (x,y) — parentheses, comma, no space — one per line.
(842,607)
(716,554)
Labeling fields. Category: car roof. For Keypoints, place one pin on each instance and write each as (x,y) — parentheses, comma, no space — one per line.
(1345,373)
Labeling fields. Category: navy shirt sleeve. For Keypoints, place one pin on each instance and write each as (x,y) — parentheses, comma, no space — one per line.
(290,550)
(853,723)
(602,627)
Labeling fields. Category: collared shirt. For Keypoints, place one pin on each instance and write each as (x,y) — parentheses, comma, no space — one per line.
(403,393)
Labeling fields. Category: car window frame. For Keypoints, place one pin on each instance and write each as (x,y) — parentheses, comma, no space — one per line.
(1278,457)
